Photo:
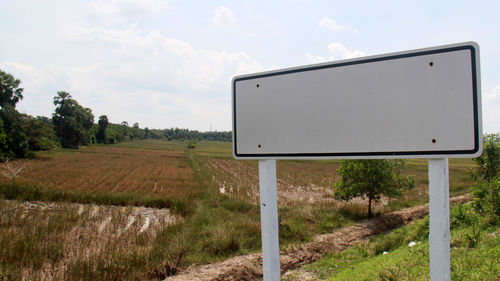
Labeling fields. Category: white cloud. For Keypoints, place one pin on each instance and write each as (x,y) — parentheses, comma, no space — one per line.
(330,24)
(337,52)
(30,77)
(120,11)
(142,77)
(223,16)
(315,59)
(152,58)
(493,94)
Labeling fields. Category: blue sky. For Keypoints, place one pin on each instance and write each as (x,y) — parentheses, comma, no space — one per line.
(169,63)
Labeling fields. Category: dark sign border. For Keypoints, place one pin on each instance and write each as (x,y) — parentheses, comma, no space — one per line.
(368,154)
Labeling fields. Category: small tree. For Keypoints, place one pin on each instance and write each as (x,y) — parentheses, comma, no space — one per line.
(487,176)
(191,144)
(371,179)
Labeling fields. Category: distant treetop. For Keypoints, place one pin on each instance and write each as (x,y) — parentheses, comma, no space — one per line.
(10,93)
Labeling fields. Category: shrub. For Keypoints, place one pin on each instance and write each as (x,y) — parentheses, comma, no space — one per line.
(487,188)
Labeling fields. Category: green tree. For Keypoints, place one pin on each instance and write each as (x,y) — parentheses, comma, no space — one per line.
(371,179)
(137,133)
(20,134)
(41,135)
(4,148)
(112,134)
(147,133)
(10,93)
(72,122)
(15,127)
(103,125)
(487,177)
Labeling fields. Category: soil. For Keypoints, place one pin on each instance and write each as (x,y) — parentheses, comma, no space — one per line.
(249,267)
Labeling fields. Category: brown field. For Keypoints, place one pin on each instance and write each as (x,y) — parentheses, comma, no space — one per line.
(163,168)
(217,193)
(151,169)
(312,181)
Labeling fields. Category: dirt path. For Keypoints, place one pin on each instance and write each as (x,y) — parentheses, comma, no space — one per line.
(249,267)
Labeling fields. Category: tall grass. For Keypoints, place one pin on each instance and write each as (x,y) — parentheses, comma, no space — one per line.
(65,243)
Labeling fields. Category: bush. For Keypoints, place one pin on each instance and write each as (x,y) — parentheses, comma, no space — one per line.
(487,188)
(191,144)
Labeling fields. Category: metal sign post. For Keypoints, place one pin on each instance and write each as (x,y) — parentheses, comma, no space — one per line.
(439,220)
(269,220)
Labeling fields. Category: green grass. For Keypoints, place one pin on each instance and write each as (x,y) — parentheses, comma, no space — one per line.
(475,253)
(221,226)
(212,149)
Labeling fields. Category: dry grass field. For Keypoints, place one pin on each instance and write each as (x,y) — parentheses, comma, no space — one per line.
(67,241)
(164,168)
(212,198)
(149,169)
(312,181)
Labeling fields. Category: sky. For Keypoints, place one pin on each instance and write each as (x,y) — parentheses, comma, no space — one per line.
(169,63)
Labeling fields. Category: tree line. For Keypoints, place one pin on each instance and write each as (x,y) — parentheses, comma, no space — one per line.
(71,126)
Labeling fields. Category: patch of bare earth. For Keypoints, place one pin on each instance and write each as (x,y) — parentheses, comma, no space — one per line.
(249,267)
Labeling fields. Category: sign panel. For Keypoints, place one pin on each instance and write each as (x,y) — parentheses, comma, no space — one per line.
(416,104)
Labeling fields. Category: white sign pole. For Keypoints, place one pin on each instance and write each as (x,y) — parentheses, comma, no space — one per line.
(439,220)
(269,220)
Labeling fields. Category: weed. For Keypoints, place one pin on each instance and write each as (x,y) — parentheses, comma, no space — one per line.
(390,274)
(294,229)
(473,237)
(461,216)
(221,240)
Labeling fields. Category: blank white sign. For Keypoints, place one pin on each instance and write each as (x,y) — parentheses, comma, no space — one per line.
(416,104)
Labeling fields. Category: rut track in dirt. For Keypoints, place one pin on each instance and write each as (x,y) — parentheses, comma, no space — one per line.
(249,267)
